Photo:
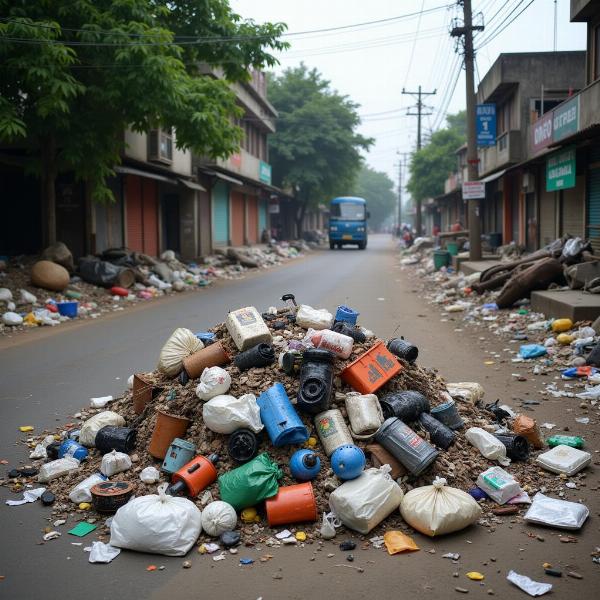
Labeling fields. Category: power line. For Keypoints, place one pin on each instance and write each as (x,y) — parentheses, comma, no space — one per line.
(412,50)
(497,31)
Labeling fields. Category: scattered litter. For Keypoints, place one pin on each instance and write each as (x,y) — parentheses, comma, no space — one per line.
(533,588)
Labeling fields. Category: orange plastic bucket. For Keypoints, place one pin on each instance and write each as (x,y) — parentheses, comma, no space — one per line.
(292,504)
(214,355)
(142,393)
(371,369)
(197,475)
(166,429)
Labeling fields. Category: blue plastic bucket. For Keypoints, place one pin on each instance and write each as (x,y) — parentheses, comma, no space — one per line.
(280,418)
(448,414)
(346,314)
(180,453)
(67,309)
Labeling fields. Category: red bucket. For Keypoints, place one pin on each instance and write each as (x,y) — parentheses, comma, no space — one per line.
(292,504)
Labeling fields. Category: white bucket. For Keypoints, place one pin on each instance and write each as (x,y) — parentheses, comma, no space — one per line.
(364,413)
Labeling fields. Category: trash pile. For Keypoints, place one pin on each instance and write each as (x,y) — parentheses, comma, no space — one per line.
(294,418)
(54,290)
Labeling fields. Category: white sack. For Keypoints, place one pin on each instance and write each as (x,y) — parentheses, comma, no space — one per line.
(87,435)
(225,414)
(491,447)
(115,462)
(150,475)
(317,318)
(180,345)
(214,381)
(12,319)
(57,468)
(556,513)
(218,517)
(27,297)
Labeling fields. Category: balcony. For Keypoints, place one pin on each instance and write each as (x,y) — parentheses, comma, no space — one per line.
(506,152)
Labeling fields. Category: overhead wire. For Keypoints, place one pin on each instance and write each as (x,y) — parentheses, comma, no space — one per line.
(502,26)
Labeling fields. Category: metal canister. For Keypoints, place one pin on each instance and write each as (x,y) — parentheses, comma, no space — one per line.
(332,430)
(180,452)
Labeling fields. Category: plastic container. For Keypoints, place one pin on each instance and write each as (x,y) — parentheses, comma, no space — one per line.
(214,355)
(73,449)
(448,414)
(142,393)
(180,453)
(332,430)
(371,370)
(260,355)
(109,496)
(564,459)
(441,258)
(280,418)
(365,415)
(121,439)
(498,484)
(452,248)
(292,504)
(247,328)
(348,461)
(305,465)
(316,381)
(406,406)
(350,330)
(166,429)
(67,309)
(403,349)
(194,477)
(346,315)
(337,343)
(81,492)
(439,434)
(401,441)
(517,447)
(242,445)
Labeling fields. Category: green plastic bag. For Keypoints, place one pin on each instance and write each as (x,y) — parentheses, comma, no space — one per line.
(251,483)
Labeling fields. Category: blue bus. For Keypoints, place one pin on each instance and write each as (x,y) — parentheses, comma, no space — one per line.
(348,222)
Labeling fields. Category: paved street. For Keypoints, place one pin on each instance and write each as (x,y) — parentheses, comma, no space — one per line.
(48,376)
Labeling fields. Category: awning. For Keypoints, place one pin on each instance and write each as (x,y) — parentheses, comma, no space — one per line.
(140,173)
(191,184)
(493,177)
(222,176)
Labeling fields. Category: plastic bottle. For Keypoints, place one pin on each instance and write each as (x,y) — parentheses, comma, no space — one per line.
(72,448)
(356,333)
(337,343)
(565,440)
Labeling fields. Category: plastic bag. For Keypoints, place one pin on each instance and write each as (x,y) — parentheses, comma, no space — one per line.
(249,484)
(218,517)
(101,401)
(328,526)
(5,295)
(556,513)
(307,316)
(81,492)
(103,553)
(12,319)
(99,272)
(498,484)
(57,468)
(27,297)
(396,542)
(87,436)
(115,462)
(468,391)
(180,345)
(437,509)
(150,475)
(490,446)
(528,428)
(532,351)
(158,524)
(364,502)
(214,381)
(533,588)
(225,414)
(564,459)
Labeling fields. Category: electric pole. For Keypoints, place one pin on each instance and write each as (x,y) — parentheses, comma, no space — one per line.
(466,31)
(401,165)
(419,114)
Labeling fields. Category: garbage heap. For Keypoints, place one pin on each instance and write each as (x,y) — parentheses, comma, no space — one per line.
(293,417)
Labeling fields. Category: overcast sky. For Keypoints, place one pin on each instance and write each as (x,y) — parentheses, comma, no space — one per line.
(372,63)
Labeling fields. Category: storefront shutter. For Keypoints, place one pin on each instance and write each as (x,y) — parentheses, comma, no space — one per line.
(220,202)
(593,209)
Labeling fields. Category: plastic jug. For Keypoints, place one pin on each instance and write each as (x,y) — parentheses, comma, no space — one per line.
(364,413)
(332,430)
(316,381)
(247,328)
(279,417)
(73,449)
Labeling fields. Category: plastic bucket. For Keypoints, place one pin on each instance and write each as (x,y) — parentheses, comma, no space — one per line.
(439,434)
(517,447)
(142,393)
(406,406)
(452,248)
(292,504)
(448,414)
(109,496)
(210,356)
(346,314)
(279,417)
(403,349)
(67,309)
(316,381)
(166,429)
(441,258)
(415,453)
(197,475)
(121,439)
(260,355)
(242,445)
(180,452)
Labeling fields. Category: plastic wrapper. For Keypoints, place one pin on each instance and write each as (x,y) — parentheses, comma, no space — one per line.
(556,513)
(533,588)
(225,414)
(180,345)
(489,446)
(214,381)
(498,484)
(87,435)
(396,542)
(337,343)
(103,553)
(218,517)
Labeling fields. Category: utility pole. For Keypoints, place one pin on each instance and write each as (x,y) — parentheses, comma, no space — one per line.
(466,31)
(419,114)
(401,165)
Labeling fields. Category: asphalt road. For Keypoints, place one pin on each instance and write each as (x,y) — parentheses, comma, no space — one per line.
(47,376)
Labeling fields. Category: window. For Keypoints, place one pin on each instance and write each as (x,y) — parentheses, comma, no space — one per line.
(596,52)
(349,211)
(503,119)
(160,145)
(549,104)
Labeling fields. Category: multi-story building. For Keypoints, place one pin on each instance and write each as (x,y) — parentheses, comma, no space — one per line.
(448,208)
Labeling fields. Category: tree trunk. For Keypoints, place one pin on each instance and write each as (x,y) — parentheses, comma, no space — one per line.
(48,191)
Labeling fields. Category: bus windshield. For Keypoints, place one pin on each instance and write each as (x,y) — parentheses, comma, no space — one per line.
(349,211)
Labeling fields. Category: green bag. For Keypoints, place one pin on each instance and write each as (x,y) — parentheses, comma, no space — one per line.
(249,484)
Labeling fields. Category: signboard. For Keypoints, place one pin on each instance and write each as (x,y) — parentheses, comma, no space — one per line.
(274,208)
(566,119)
(473,190)
(264,172)
(541,132)
(486,124)
(235,160)
(560,170)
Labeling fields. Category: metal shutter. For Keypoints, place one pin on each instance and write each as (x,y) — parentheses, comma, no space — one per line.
(573,210)
(220,206)
(252,207)
(593,209)
(150,216)
(262,215)
(237,219)
(547,217)
(133,194)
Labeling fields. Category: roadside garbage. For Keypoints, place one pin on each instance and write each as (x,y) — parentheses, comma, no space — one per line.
(166,429)
(109,496)
(328,526)
(247,328)
(213,355)
(12,319)
(533,588)
(89,429)
(364,413)
(82,529)
(337,343)
(498,484)
(304,465)
(406,406)
(437,509)
(157,524)
(403,349)
(362,503)
(528,428)
(564,459)
(396,542)
(142,392)
(48,498)
(218,517)
(194,476)
(150,475)
(242,445)
(532,351)
(81,492)
(316,381)
(556,513)
(439,434)
(348,461)
(57,468)
(313,318)
(517,447)
(281,421)
(73,449)
(115,462)
(260,355)
(447,413)
(332,430)
(180,452)
(346,315)
(489,446)
(225,414)
(214,381)
(292,504)
(28,496)
(229,539)
(371,370)
(100,402)
(562,325)
(67,309)
(180,345)
(565,440)
(356,333)
(103,553)
(110,438)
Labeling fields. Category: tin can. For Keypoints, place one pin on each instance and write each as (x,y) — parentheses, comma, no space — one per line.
(332,430)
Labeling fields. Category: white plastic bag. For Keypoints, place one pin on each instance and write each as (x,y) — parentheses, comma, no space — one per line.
(468,391)
(218,517)
(317,318)
(214,381)
(498,484)
(533,588)
(87,436)
(103,553)
(490,446)
(81,492)
(180,345)
(101,401)
(328,526)
(27,297)
(564,459)
(12,319)
(225,414)
(57,468)
(158,524)
(364,502)
(150,475)
(556,513)
(115,462)
(437,509)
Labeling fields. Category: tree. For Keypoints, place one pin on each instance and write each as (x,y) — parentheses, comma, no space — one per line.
(430,166)
(377,189)
(77,73)
(315,150)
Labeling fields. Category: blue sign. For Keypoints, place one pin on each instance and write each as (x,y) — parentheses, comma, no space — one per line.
(486,124)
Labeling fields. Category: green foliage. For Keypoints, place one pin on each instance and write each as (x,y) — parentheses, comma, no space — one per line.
(316,150)
(77,73)
(430,166)
(377,189)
